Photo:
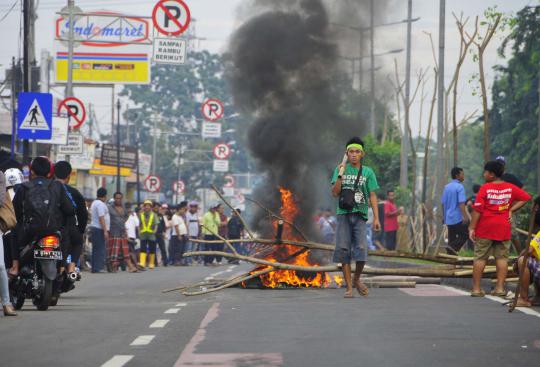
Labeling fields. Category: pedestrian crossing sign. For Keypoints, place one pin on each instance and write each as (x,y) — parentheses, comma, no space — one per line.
(34,116)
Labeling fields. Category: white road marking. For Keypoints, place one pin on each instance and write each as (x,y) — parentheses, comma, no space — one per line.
(159,324)
(142,340)
(117,361)
(209,278)
(181,304)
(456,290)
(172,310)
(525,310)
(232,267)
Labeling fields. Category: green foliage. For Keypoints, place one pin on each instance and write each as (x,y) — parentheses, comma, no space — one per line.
(384,159)
(403,197)
(514,114)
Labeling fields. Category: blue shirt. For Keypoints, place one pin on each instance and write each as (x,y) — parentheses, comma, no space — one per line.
(453,195)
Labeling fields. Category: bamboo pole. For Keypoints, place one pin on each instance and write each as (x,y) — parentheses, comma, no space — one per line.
(246,227)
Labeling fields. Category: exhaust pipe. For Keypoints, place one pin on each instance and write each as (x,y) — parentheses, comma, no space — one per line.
(72,276)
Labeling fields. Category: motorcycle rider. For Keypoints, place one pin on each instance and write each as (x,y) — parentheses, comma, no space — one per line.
(41,205)
(14,180)
(72,232)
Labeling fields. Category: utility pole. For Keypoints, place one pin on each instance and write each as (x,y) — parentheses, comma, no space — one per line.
(154,148)
(372,71)
(440,110)
(361,61)
(13,108)
(69,86)
(118,145)
(26,63)
(137,142)
(404,171)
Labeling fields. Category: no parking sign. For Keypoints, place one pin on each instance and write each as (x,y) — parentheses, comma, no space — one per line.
(171,17)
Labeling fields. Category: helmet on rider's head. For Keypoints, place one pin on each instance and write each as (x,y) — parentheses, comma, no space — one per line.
(14,176)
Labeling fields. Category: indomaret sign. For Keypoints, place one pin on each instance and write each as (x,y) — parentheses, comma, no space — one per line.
(169,51)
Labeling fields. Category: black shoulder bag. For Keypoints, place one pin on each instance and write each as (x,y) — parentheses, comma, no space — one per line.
(347,196)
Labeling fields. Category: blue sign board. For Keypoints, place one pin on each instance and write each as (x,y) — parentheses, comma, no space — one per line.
(34,116)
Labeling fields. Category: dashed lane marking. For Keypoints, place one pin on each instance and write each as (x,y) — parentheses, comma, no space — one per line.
(142,340)
(172,310)
(159,324)
(117,361)
(182,304)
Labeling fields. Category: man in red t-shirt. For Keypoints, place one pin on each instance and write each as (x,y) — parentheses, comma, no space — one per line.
(390,221)
(491,225)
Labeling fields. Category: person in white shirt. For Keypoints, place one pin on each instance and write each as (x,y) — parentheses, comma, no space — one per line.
(99,230)
(179,234)
(194,229)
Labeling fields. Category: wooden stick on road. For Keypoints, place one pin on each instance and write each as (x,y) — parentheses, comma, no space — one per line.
(246,227)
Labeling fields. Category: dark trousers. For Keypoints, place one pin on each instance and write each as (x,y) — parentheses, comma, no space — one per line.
(209,259)
(72,243)
(162,248)
(178,246)
(390,240)
(457,237)
(98,249)
(148,246)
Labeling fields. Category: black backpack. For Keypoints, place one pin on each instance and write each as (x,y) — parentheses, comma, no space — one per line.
(41,205)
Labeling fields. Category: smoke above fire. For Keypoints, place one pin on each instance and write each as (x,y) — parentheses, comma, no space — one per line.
(283,72)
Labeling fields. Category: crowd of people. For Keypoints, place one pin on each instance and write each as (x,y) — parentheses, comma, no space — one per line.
(105,234)
(395,231)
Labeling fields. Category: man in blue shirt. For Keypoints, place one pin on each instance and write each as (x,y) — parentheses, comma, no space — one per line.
(454,211)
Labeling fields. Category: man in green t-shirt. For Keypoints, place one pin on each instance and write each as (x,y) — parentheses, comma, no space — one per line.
(351,233)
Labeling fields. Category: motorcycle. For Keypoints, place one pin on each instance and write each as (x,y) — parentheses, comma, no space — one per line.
(39,272)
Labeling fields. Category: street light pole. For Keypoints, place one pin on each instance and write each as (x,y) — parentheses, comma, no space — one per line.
(372,72)
(404,172)
(118,145)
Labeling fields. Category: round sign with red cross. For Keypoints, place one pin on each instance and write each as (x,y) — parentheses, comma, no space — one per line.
(152,183)
(74,109)
(171,17)
(179,187)
(213,110)
(222,151)
(229,181)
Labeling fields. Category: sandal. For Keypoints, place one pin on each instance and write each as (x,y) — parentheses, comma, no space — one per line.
(499,294)
(522,303)
(362,289)
(348,294)
(478,294)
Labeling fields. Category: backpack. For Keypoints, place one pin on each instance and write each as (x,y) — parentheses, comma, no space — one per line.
(41,207)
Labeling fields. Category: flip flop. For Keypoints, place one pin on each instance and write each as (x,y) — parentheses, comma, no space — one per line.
(478,294)
(362,289)
(348,295)
(499,294)
(521,303)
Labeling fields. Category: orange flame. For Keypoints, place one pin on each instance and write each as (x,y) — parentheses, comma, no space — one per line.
(292,255)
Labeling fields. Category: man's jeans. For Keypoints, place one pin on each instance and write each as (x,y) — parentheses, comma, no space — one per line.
(98,249)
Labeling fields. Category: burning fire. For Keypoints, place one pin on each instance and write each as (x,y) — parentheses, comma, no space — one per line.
(289,254)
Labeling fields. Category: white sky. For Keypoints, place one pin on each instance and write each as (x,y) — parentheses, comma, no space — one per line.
(216,20)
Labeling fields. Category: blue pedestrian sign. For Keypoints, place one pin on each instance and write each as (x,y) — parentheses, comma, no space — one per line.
(34,116)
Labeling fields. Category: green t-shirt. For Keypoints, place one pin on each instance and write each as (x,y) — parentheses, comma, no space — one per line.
(366,185)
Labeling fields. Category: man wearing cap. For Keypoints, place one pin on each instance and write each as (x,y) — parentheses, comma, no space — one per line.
(147,234)
(194,226)
(211,223)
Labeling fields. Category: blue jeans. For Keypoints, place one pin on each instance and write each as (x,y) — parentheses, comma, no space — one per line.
(4,282)
(351,239)
(98,249)
(369,235)
(189,247)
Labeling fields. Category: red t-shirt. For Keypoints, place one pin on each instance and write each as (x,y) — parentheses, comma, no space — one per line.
(390,222)
(493,202)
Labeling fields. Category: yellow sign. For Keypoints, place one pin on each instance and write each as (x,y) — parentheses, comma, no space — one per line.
(116,70)
(101,170)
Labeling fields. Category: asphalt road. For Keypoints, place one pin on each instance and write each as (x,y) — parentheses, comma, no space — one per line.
(116,320)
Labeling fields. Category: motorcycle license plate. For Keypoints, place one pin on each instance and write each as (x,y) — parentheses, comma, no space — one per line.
(52,255)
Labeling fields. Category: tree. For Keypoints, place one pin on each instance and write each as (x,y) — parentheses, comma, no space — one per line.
(173,100)
(514,113)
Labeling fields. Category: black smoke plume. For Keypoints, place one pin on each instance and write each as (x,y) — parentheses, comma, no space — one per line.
(283,67)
